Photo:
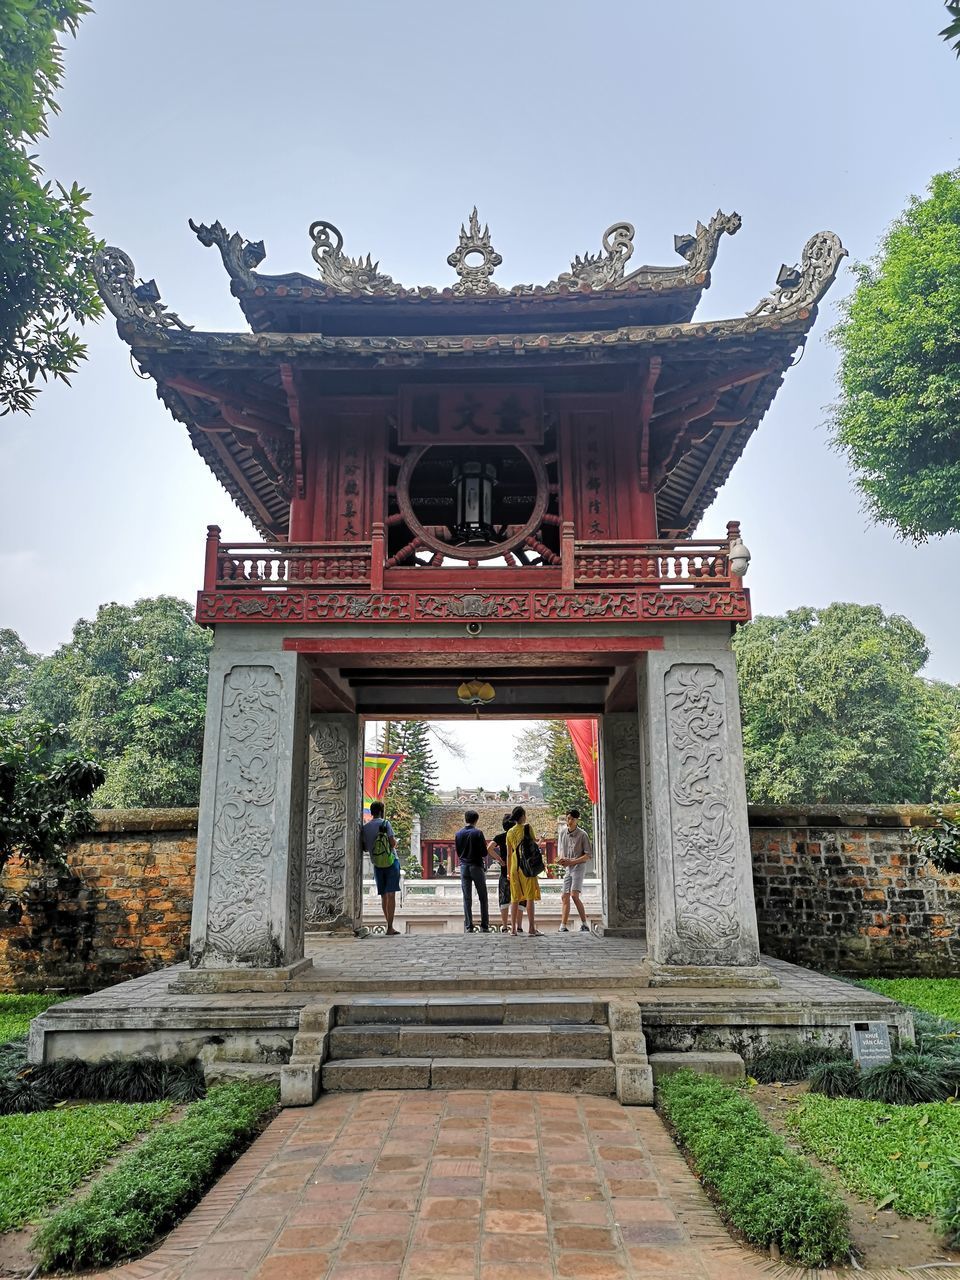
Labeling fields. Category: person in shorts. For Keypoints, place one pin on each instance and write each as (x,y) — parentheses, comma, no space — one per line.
(574,852)
(387,878)
(497,849)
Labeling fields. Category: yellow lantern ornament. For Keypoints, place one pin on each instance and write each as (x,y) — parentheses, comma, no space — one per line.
(476,693)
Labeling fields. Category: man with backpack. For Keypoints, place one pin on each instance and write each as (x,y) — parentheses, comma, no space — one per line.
(472,853)
(378,840)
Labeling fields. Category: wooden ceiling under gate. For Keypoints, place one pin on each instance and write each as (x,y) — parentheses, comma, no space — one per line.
(587,675)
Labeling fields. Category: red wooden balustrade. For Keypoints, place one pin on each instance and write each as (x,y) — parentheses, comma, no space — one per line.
(692,563)
(667,565)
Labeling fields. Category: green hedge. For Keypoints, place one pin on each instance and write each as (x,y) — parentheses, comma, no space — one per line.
(38,1088)
(44,1156)
(764,1189)
(152,1187)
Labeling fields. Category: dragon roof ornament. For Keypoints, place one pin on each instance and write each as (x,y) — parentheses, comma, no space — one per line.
(700,249)
(343,274)
(240,257)
(798,288)
(475,260)
(133,304)
(804,286)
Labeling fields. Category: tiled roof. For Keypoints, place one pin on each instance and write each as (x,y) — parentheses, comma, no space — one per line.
(443,821)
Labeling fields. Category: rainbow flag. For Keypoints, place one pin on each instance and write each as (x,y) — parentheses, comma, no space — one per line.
(378,770)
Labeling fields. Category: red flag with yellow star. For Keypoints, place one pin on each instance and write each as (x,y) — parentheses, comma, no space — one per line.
(586,743)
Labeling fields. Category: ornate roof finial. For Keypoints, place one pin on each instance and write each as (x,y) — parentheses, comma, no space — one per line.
(474,275)
(240,257)
(343,274)
(805,285)
(700,249)
(600,270)
(133,304)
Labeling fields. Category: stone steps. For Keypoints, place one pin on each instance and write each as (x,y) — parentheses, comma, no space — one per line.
(518,1040)
(566,1075)
(566,1043)
(471,1011)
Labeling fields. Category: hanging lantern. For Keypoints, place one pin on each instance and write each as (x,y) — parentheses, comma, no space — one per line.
(473,482)
(476,693)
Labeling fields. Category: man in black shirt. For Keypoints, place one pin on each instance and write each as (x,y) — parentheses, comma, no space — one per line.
(472,852)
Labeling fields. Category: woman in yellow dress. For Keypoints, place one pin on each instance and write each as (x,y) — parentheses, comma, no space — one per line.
(521,886)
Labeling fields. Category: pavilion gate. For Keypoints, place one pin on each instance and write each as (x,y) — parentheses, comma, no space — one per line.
(473,484)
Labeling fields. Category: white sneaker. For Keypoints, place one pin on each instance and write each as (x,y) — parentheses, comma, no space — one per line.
(563,929)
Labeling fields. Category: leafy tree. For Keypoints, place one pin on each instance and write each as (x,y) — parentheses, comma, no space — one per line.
(545,751)
(898,416)
(563,785)
(530,749)
(412,788)
(131,689)
(46,248)
(44,794)
(952,30)
(834,710)
(16,667)
(941,738)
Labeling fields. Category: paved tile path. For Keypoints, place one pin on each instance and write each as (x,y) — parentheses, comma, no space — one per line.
(455,1186)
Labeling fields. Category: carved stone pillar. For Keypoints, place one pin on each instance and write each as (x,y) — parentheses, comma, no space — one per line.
(333,816)
(248,899)
(701,918)
(622,825)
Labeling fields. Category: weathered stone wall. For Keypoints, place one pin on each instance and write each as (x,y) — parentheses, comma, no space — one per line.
(844,889)
(122,910)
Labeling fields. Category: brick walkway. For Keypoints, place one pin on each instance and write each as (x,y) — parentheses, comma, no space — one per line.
(449,1186)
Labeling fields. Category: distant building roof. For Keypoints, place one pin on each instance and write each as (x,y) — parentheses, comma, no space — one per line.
(443,821)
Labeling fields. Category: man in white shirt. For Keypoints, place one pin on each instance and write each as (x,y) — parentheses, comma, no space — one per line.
(574,852)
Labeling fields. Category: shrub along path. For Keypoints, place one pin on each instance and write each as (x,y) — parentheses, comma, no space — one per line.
(473,1185)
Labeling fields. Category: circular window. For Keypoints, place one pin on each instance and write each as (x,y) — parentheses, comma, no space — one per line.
(471,502)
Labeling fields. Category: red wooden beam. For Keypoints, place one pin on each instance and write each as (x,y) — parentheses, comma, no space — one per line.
(335,647)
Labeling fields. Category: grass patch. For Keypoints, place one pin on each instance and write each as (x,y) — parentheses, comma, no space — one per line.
(881,1151)
(45,1155)
(16,1012)
(152,1187)
(940,996)
(765,1190)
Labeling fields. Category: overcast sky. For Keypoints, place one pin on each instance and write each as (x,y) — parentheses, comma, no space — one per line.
(556,118)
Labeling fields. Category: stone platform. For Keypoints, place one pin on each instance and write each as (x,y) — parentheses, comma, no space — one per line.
(149,1015)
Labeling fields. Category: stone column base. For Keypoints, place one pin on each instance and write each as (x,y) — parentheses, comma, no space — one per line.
(637,933)
(212,981)
(692,975)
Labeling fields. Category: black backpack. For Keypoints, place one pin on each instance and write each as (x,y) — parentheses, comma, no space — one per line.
(529,858)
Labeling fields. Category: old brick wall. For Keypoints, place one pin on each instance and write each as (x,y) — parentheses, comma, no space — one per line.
(844,889)
(123,909)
